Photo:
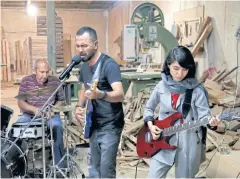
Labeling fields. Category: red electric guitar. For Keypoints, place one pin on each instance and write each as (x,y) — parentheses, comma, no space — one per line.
(146,147)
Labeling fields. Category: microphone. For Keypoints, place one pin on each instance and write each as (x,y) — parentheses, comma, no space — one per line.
(75,61)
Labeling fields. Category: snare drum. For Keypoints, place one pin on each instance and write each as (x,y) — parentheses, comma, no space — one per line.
(34,130)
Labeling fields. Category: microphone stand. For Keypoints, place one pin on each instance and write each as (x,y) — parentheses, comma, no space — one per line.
(71,163)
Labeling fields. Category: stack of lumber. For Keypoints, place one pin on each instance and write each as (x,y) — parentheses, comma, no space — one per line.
(5,62)
(22,60)
(42,32)
(75,134)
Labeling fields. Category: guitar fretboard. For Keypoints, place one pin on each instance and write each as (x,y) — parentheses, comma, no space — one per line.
(181,127)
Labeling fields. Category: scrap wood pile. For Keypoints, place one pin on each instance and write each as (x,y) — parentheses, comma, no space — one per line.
(133,110)
(222,97)
(75,134)
(221,89)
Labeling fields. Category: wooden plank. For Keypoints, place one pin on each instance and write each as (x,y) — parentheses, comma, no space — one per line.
(133,168)
(228,73)
(207,20)
(17,61)
(129,154)
(212,85)
(44,26)
(4,61)
(189,14)
(67,54)
(133,139)
(202,38)
(147,161)
(8,61)
(77,133)
(134,127)
(218,75)
(127,158)
(224,166)
(236,146)
(130,145)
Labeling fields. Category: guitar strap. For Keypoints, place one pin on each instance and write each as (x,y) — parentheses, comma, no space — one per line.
(187,106)
(99,67)
(187,103)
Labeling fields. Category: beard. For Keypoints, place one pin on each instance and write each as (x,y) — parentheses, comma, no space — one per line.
(87,57)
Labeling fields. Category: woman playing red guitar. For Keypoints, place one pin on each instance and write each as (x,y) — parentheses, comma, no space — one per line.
(174,93)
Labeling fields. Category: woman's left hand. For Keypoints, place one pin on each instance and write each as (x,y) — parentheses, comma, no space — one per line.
(214,121)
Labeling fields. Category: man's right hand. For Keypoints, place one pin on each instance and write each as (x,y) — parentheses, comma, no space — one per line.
(79,113)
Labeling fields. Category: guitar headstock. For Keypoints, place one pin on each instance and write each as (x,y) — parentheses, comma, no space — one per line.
(229,115)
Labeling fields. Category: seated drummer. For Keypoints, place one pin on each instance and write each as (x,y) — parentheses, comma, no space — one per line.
(32,104)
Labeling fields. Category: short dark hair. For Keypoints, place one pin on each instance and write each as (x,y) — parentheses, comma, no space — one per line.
(185,59)
(92,33)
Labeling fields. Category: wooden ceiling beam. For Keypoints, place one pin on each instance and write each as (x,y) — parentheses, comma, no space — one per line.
(61,4)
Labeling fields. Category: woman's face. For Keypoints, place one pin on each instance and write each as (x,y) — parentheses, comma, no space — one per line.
(177,72)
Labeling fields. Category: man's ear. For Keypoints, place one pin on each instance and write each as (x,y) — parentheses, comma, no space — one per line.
(96,43)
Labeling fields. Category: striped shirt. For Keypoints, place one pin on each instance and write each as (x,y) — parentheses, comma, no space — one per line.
(30,83)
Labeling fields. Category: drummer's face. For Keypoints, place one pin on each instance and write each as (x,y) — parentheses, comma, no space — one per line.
(42,72)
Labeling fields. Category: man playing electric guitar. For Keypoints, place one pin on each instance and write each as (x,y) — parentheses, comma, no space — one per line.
(107,114)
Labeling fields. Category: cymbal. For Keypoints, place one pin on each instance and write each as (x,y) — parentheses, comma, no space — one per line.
(36,92)
(66,108)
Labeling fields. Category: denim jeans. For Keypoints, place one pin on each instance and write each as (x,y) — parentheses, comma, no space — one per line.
(57,135)
(104,147)
(91,171)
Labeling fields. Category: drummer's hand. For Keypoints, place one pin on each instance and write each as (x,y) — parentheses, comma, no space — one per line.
(36,110)
(79,113)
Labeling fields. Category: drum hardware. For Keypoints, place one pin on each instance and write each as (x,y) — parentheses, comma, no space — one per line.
(53,153)
(71,164)
(33,131)
(41,112)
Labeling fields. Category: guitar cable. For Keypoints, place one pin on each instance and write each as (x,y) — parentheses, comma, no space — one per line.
(139,161)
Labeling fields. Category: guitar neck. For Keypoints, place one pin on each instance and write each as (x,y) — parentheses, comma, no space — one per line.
(185,126)
(227,115)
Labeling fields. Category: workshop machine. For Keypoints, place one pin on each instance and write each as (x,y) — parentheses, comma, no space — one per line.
(145,33)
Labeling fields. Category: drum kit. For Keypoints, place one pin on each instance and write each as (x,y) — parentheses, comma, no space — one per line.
(27,148)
